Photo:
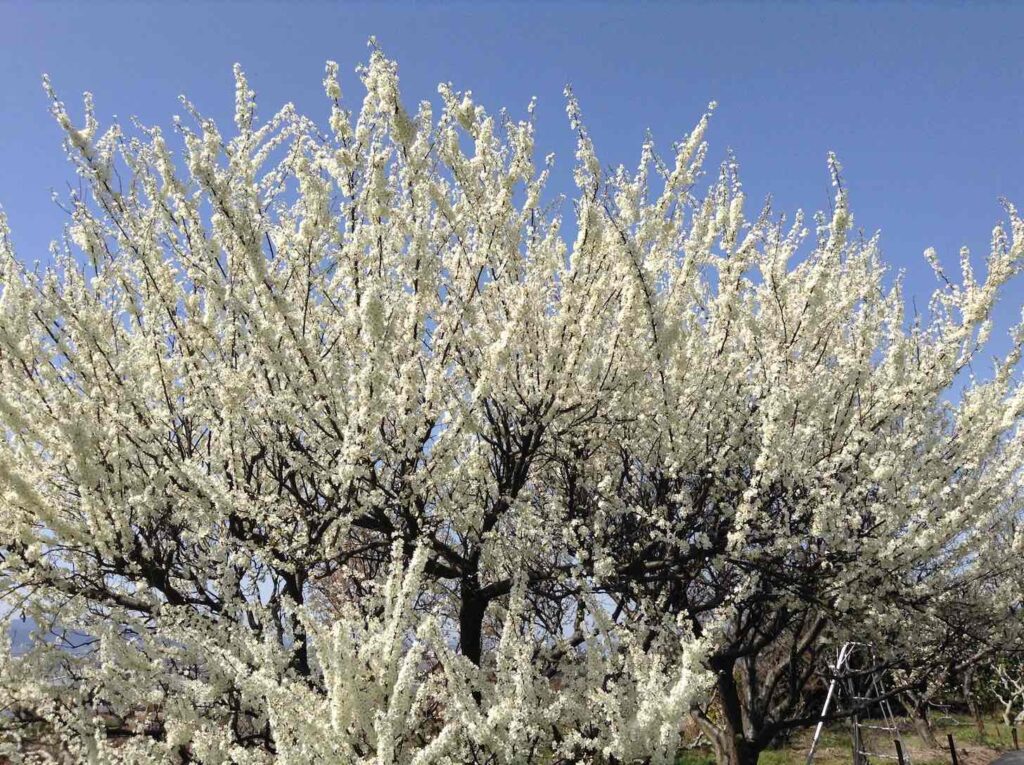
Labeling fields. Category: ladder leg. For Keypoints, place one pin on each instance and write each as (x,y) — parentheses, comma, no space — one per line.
(821,723)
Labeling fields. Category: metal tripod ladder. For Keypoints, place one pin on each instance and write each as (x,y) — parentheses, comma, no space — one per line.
(866,689)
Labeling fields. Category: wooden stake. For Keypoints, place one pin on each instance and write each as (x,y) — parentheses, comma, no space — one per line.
(899,751)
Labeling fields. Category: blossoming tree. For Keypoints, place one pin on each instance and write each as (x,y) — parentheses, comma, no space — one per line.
(325,445)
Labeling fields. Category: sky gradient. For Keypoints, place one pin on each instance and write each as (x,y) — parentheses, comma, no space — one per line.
(923,104)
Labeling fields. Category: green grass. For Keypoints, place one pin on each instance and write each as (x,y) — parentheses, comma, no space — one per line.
(834,745)
(696,757)
(779,757)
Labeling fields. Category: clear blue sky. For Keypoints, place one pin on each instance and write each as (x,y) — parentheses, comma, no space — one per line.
(924,104)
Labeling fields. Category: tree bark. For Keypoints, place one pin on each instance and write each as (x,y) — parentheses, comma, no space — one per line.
(972,701)
(471,611)
(733,746)
(923,727)
(471,620)
(729,749)
(739,751)
(919,716)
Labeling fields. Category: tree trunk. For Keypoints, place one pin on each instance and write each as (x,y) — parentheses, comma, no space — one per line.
(919,716)
(857,746)
(732,746)
(738,751)
(972,702)
(924,728)
(729,749)
(471,609)
(471,621)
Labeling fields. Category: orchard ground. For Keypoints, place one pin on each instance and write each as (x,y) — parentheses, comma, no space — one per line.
(974,747)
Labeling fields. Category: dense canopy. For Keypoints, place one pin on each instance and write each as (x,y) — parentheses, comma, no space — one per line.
(331,445)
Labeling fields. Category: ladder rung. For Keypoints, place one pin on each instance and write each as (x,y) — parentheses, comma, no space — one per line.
(877,754)
(877,727)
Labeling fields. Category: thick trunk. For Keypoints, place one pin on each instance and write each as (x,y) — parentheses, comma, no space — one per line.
(738,751)
(729,749)
(471,611)
(732,745)
(856,743)
(972,701)
(924,727)
(471,624)
(471,621)
(294,586)
(919,716)
(979,721)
